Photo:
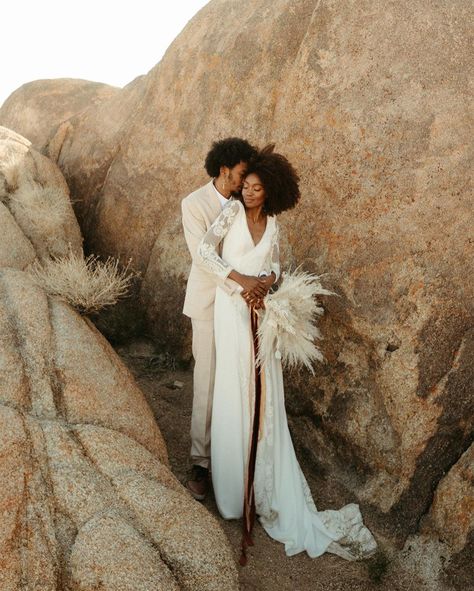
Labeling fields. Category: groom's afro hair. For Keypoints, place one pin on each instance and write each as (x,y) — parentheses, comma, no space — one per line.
(279,179)
(228,152)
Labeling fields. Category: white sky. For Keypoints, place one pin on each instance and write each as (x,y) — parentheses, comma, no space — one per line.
(110,41)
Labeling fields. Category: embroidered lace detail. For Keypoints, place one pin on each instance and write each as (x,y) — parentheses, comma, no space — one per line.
(207,249)
(274,256)
(264,479)
(354,541)
(307,493)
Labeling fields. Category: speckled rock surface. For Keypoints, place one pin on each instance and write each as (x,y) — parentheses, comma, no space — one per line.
(88,498)
(452,512)
(35,109)
(372,103)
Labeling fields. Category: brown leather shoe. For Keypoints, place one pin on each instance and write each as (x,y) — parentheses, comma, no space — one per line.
(199,482)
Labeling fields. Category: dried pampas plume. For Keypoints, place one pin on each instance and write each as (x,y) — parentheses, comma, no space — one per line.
(288,327)
(87,284)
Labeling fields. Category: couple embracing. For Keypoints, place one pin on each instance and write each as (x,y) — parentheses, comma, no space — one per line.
(239,432)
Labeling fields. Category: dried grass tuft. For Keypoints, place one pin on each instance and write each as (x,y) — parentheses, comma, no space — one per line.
(45,208)
(46,217)
(86,283)
(9,174)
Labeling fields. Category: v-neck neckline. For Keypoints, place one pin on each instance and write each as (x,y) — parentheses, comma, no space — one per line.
(250,233)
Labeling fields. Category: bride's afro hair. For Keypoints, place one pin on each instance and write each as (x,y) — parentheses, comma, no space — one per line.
(279,180)
(227,152)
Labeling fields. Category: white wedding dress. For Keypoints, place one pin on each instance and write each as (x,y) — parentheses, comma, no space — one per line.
(283,500)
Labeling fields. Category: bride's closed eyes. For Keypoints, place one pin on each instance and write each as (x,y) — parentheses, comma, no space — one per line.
(256,188)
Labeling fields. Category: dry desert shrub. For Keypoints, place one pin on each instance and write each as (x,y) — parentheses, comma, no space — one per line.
(9,172)
(86,283)
(43,213)
(45,207)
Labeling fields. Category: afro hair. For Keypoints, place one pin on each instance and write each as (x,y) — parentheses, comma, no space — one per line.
(278,178)
(227,152)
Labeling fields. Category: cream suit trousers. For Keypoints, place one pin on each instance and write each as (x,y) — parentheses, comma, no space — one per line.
(204,354)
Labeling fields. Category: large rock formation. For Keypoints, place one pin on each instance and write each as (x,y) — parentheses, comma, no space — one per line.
(86,494)
(38,107)
(452,512)
(85,487)
(36,215)
(371,102)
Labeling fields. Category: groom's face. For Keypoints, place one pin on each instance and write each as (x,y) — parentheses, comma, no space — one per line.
(235,176)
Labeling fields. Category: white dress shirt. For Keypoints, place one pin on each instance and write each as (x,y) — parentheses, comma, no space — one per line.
(222,199)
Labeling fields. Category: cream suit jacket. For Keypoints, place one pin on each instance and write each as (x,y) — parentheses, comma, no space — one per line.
(199,210)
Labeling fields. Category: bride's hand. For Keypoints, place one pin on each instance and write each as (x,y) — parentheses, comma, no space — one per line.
(257,287)
(252,301)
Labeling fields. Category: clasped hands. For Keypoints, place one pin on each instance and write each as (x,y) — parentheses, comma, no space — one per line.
(255,289)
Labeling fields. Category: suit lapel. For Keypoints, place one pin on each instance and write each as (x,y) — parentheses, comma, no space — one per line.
(212,200)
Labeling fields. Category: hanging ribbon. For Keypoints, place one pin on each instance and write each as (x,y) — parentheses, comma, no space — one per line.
(249,494)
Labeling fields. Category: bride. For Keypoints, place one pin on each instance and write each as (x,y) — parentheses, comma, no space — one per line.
(253,463)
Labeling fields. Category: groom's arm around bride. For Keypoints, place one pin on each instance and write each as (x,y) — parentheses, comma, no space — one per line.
(225,163)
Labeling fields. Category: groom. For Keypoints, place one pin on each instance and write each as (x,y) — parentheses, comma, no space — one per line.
(226,163)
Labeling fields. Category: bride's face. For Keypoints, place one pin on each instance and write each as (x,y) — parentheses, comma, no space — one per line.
(253,191)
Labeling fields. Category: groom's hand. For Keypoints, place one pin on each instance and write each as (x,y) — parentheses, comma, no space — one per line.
(265,283)
(254,285)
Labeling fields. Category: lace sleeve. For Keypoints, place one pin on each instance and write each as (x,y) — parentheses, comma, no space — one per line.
(275,253)
(207,249)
